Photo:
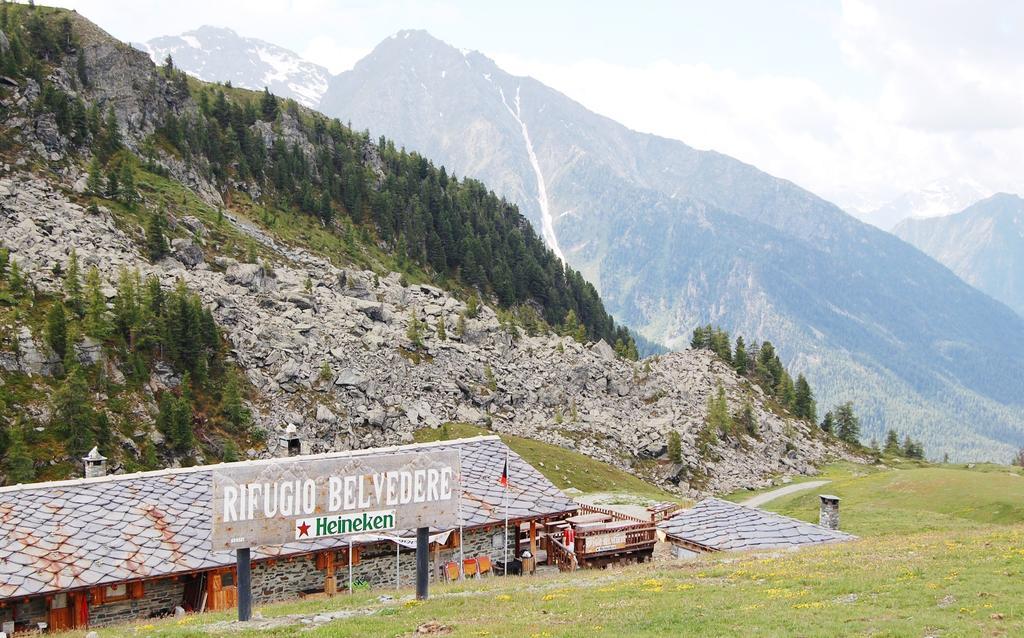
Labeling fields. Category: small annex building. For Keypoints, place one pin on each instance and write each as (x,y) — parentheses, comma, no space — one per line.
(714,525)
(106,549)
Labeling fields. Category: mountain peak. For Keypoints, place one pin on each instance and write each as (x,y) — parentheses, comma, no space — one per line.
(219,54)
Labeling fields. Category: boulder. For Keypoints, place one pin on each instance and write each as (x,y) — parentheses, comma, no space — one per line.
(324,415)
(89,351)
(352,378)
(466,413)
(252,276)
(374,311)
(187,252)
(603,350)
(193,225)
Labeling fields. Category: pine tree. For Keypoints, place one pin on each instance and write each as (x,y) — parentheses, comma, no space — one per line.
(892,444)
(94,185)
(460,325)
(828,424)
(57,330)
(5,261)
(73,285)
(803,401)
(675,447)
(441,334)
(739,358)
(268,105)
(414,331)
(718,412)
(572,327)
(746,420)
(95,323)
(156,242)
(15,280)
(473,307)
(19,467)
(72,417)
(231,404)
(126,193)
(847,423)
(104,434)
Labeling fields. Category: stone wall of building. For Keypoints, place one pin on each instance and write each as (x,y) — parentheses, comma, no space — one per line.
(284,579)
(34,610)
(377,562)
(159,598)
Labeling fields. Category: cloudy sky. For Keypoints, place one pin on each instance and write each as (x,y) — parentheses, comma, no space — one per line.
(857,100)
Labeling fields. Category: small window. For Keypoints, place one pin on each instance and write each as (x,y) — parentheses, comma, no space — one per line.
(114,593)
(60,601)
(227,579)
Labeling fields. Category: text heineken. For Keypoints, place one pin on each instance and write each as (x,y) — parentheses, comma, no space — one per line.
(362,522)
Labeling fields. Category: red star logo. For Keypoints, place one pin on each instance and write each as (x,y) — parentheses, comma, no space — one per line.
(303,529)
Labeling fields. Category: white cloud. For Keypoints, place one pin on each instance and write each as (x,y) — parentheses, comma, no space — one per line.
(325,51)
(946,107)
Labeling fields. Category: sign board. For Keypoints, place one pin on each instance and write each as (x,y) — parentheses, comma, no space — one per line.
(606,542)
(273,503)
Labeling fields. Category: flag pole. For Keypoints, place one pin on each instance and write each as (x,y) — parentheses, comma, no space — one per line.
(462,549)
(507,473)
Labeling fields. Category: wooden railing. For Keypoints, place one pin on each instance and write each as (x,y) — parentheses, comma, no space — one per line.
(561,556)
(638,536)
(618,516)
(661,511)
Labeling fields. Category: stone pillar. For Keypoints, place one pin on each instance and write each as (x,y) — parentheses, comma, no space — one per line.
(95,464)
(829,515)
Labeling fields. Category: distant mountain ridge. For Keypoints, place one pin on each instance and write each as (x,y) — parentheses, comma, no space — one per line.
(674,238)
(983,244)
(937,199)
(217,54)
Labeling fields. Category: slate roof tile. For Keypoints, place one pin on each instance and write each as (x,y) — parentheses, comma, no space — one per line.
(722,525)
(96,531)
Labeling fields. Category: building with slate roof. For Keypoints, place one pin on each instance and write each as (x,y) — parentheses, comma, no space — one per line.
(93,551)
(715,525)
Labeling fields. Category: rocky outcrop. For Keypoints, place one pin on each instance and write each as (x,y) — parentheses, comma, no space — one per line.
(291,321)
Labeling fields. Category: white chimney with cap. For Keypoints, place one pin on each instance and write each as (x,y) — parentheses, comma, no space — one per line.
(289,443)
(95,463)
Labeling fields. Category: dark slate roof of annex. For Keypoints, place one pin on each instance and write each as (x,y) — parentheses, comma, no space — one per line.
(721,525)
(89,532)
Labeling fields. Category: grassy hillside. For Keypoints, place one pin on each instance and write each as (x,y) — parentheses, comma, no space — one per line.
(964,583)
(565,468)
(915,497)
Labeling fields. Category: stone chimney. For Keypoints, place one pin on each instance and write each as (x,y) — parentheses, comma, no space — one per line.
(95,464)
(289,443)
(829,516)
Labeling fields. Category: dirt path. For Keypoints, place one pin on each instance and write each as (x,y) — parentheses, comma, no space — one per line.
(761,499)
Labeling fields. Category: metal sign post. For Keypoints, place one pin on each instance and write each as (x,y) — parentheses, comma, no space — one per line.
(422,554)
(244,560)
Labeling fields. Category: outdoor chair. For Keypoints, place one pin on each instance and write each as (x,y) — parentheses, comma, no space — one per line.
(483,566)
(451,572)
(469,568)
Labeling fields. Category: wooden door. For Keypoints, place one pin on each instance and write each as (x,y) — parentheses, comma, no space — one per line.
(222,590)
(60,617)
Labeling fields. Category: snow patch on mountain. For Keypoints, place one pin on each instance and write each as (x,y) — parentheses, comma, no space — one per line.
(215,54)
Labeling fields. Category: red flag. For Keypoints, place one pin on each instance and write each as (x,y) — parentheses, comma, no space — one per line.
(504,475)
